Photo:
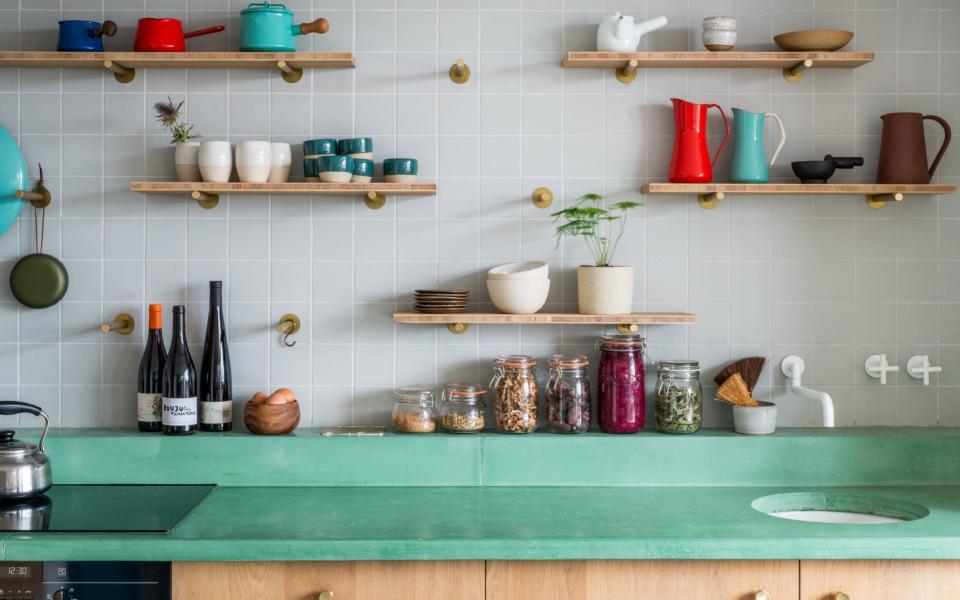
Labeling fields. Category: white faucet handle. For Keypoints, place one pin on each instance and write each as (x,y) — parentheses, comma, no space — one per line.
(919,367)
(877,366)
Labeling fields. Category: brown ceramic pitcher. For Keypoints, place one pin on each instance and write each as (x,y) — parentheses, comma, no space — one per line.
(903,150)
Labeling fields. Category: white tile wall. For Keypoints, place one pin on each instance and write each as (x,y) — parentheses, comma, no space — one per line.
(825,278)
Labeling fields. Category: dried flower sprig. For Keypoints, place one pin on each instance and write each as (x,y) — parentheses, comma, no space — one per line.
(168,115)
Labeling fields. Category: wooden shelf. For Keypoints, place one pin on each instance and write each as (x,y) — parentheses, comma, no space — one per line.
(208,193)
(124,64)
(876,194)
(793,64)
(458,322)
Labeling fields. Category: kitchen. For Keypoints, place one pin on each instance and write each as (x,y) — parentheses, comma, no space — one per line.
(373,183)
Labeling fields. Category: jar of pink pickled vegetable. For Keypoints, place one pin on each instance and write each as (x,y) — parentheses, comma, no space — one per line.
(621,400)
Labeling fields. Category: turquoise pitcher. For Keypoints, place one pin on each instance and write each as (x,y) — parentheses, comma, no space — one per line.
(749,162)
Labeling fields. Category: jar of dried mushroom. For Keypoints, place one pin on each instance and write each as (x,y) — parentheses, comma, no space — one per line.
(679,396)
(568,393)
(461,408)
(413,411)
(515,393)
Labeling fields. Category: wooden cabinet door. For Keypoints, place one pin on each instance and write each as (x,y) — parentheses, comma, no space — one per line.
(879,579)
(408,580)
(642,579)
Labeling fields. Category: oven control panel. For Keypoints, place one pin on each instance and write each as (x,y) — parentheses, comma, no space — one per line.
(85,580)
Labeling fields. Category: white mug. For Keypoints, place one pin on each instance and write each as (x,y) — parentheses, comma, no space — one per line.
(280,160)
(216,161)
(253,161)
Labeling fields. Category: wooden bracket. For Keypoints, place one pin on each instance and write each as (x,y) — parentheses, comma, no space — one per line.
(542,197)
(795,73)
(628,328)
(375,200)
(123,324)
(628,72)
(459,71)
(206,200)
(878,201)
(289,73)
(120,73)
(458,328)
(710,200)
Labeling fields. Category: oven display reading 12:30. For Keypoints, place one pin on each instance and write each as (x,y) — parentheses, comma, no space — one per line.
(19,571)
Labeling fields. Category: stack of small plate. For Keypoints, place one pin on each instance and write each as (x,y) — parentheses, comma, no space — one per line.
(440,301)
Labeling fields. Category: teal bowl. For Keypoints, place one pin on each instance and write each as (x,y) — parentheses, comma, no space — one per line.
(363,167)
(336,164)
(356,146)
(319,147)
(311,167)
(400,170)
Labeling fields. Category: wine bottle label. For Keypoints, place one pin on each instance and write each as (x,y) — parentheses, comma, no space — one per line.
(216,413)
(180,411)
(149,408)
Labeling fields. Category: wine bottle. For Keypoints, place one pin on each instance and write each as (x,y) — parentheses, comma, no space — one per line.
(150,375)
(179,382)
(216,399)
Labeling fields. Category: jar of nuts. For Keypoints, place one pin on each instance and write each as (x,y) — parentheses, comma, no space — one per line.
(461,408)
(413,411)
(515,393)
(568,393)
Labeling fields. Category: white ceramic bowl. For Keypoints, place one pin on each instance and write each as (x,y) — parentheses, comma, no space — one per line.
(254,159)
(755,420)
(518,296)
(720,24)
(534,269)
(719,38)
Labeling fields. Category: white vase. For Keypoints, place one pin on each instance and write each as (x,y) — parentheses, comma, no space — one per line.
(253,160)
(185,158)
(605,290)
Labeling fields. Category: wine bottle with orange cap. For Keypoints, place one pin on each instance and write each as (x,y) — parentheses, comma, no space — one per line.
(150,376)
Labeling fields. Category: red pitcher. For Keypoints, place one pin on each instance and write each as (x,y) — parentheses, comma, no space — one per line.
(691,162)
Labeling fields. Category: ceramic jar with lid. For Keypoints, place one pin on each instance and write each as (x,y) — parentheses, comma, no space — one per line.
(514,385)
(462,408)
(679,396)
(568,393)
(622,397)
(413,410)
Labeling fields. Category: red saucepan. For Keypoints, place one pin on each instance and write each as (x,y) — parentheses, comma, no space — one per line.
(165,35)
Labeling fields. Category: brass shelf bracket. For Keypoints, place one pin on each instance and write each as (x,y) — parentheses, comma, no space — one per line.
(710,200)
(288,325)
(289,73)
(795,73)
(123,324)
(457,328)
(628,328)
(542,197)
(459,71)
(40,196)
(628,72)
(374,200)
(878,201)
(205,199)
(120,73)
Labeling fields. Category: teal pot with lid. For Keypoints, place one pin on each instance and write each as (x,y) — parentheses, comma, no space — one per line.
(13,177)
(267,27)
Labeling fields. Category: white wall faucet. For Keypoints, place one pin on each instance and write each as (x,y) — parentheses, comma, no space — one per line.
(919,367)
(877,366)
(792,368)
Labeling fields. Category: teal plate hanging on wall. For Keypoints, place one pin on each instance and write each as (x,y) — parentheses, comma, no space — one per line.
(13,177)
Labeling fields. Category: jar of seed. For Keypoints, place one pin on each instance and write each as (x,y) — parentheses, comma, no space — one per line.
(461,408)
(679,396)
(413,410)
(568,393)
(515,391)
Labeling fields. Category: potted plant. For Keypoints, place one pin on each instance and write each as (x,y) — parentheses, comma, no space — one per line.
(185,157)
(602,289)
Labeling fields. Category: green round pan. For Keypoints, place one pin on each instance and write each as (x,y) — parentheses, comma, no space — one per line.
(39,280)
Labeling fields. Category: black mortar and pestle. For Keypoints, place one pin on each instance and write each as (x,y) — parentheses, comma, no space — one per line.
(819,171)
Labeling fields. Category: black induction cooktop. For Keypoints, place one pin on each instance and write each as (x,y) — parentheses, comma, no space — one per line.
(98,508)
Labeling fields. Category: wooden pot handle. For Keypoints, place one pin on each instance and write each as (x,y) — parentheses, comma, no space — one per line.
(320,25)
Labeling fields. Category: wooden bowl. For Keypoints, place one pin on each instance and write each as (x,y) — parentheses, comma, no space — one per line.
(271,419)
(814,40)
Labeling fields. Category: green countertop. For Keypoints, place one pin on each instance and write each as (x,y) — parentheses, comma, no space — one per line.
(429,523)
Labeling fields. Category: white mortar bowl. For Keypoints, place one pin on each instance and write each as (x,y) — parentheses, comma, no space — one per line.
(534,269)
(518,296)
(755,420)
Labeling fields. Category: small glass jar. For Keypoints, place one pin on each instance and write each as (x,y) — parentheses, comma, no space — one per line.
(568,393)
(413,410)
(461,408)
(622,398)
(679,396)
(515,391)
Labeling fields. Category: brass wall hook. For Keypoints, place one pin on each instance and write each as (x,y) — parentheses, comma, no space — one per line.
(460,71)
(123,324)
(542,197)
(40,196)
(289,324)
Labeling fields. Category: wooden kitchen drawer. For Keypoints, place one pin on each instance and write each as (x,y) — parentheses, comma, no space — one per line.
(879,579)
(630,580)
(396,580)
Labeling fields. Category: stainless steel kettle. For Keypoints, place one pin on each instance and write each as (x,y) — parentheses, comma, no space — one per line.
(24,468)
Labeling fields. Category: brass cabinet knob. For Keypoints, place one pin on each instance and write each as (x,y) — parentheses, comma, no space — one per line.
(325,595)
(841,596)
(762,595)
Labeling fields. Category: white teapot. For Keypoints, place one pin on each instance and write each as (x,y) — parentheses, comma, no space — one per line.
(619,33)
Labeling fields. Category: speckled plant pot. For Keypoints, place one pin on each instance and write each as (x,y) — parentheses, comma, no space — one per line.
(605,290)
